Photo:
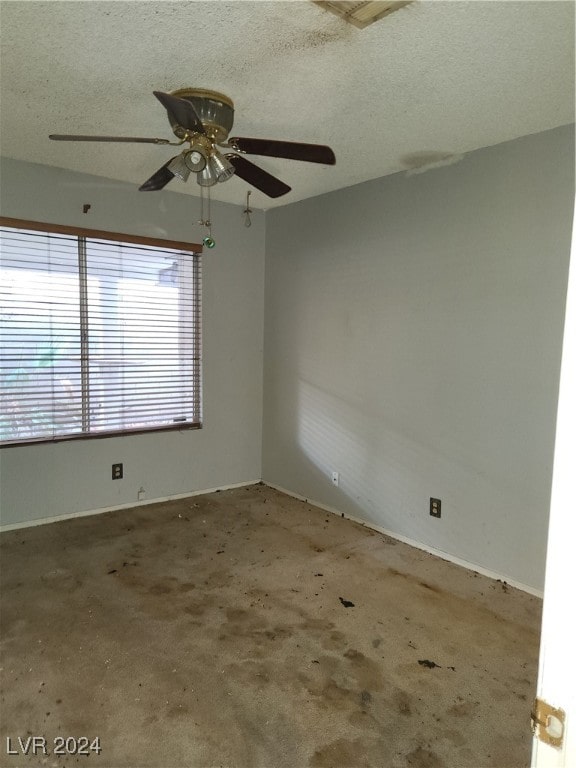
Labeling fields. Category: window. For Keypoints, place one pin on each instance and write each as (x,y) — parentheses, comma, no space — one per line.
(98,336)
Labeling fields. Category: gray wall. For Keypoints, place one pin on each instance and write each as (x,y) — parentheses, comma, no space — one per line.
(412,343)
(45,480)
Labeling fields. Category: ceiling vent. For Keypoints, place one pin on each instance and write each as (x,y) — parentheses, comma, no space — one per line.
(361,14)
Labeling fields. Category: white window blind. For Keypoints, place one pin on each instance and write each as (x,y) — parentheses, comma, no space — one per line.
(97,337)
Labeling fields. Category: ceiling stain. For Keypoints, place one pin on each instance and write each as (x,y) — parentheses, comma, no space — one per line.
(446,77)
(420,162)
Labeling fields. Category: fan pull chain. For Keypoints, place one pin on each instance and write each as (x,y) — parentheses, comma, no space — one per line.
(208,241)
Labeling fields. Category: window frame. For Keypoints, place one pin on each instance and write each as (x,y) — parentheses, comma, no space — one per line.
(129,239)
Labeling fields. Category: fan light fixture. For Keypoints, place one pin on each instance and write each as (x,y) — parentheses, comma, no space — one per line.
(179,167)
(195,159)
(222,166)
(210,170)
(207,177)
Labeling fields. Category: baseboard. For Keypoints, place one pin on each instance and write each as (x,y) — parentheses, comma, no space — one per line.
(398,537)
(72,515)
(413,543)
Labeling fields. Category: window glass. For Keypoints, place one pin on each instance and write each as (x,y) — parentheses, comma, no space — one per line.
(96,337)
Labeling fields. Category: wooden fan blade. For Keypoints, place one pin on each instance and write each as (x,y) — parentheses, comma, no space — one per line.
(258,177)
(159,179)
(134,139)
(181,111)
(291,150)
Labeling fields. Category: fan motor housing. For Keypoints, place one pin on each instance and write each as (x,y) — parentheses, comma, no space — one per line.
(215,110)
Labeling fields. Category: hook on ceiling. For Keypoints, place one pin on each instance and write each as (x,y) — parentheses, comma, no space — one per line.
(247,211)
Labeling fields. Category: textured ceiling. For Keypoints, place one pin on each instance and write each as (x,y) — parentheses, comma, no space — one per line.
(433,79)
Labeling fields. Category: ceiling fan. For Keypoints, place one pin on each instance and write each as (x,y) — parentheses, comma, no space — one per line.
(202,120)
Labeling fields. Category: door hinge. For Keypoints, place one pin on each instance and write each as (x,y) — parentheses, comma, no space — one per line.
(548,723)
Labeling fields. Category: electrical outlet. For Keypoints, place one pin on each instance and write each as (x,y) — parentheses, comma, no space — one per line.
(117,471)
(335,478)
(435,507)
